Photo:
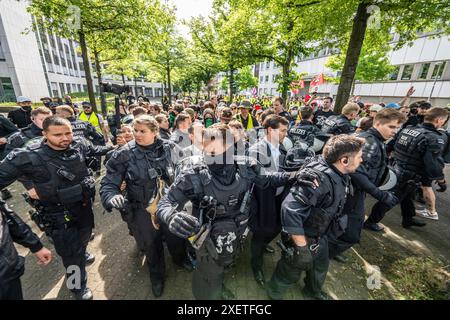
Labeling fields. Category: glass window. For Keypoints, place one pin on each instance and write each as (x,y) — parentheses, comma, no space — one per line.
(7,90)
(424,70)
(69,89)
(438,70)
(394,74)
(267,78)
(407,72)
(2,54)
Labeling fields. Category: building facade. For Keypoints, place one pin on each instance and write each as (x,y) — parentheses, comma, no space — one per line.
(424,65)
(39,64)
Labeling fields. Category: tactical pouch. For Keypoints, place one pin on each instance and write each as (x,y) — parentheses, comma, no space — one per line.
(317,223)
(70,195)
(224,235)
(338,226)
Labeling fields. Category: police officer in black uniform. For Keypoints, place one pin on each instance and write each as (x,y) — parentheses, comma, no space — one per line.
(31,134)
(310,215)
(64,186)
(219,187)
(367,178)
(142,164)
(417,159)
(341,124)
(306,130)
(7,128)
(13,229)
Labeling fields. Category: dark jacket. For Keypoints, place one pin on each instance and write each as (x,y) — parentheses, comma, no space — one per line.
(11,264)
(20,117)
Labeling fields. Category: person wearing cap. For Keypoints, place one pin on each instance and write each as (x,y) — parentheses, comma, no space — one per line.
(374,109)
(94,118)
(21,117)
(367,179)
(46,101)
(244,116)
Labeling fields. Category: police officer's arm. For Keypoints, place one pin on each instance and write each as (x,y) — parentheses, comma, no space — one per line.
(91,150)
(22,234)
(434,163)
(179,193)
(297,207)
(361,181)
(93,134)
(268,179)
(15,165)
(116,168)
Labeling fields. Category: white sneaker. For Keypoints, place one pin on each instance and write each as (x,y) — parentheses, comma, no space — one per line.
(425,213)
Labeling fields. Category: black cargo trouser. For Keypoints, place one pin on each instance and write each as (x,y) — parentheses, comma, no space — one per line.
(70,244)
(258,246)
(287,275)
(11,290)
(405,191)
(150,241)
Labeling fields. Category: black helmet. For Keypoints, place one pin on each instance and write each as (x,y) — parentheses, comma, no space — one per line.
(296,156)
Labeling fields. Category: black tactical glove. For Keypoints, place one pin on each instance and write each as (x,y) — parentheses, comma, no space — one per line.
(183,225)
(308,178)
(118,201)
(389,199)
(302,258)
(442,186)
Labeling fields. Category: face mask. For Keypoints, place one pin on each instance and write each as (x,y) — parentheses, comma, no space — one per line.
(26,108)
(294,113)
(208,122)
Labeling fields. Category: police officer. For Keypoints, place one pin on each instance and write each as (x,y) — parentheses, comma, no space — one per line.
(309,215)
(142,164)
(31,134)
(417,159)
(63,185)
(6,129)
(342,124)
(13,229)
(367,178)
(306,130)
(219,188)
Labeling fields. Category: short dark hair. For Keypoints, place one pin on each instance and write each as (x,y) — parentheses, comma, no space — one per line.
(421,104)
(279,99)
(387,115)
(178,108)
(139,111)
(55,121)
(180,118)
(160,117)
(329,98)
(273,121)
(266,113)
(218,130)
(435,113)
(306,112)
(340,146)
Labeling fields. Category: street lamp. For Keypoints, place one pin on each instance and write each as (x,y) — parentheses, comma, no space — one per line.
(439,64)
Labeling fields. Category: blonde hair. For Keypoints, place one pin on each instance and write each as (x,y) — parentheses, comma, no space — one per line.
(66,108)
(350,108)
(148,121)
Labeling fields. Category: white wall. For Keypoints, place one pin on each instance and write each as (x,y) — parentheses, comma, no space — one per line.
(23,62)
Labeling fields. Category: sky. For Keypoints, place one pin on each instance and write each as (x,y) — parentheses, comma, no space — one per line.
(191,8)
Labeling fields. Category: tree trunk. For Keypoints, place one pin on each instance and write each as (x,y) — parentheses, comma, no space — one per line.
(231,84)
(98,69)
(87,69)
(169,84)
(351,59)
(135,88)
(123,78)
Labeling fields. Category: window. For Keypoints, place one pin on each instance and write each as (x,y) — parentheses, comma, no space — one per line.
(424,70)
(261,79)
(267,65)
(79,87)
(274,77)
(55,58)
(394,74)
(438,70)
(2,54)
(81,65)
(7,93)
(267,78)
(62,89)
(85,88)
(407,72)
(69,89)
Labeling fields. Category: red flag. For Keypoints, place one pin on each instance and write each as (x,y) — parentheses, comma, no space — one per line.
(317,80)
(301,84)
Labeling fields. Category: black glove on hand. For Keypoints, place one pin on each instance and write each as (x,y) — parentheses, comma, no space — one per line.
(118,201)
(302,258)
(442,186)
(183,225)
(308,178)
(389,199)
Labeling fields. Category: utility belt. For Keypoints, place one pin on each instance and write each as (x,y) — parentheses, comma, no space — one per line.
(53,218)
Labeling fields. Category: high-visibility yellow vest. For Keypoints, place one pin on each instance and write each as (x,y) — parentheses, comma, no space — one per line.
(93,119)
(249,122)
